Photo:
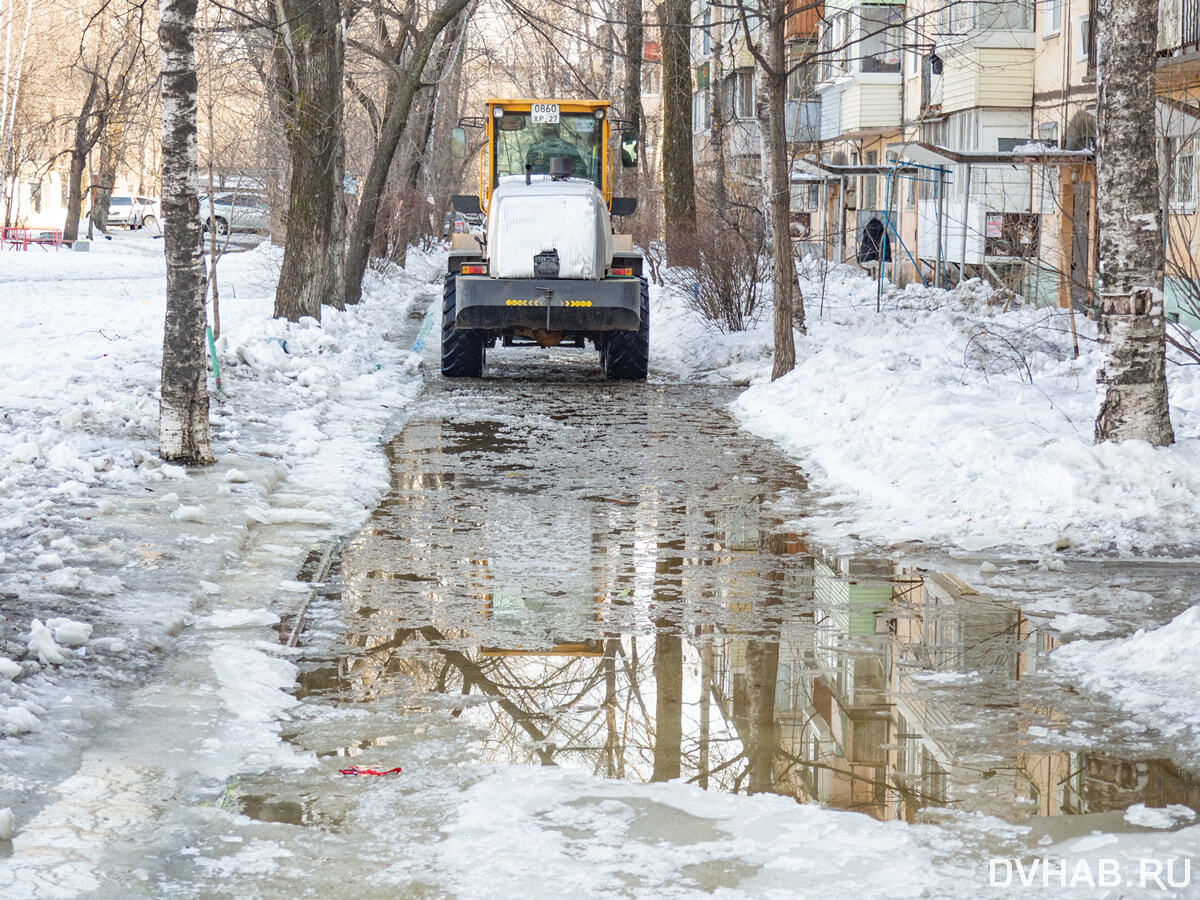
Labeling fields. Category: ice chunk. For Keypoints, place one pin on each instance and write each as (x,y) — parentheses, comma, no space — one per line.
(236,476)
(71,418)
(63,580)
(9,669)
(238,618)
(41,642)
(307,447)
(64,456)
(7,823)
(189,514)
(312,375)
(47,561)
(1159,817)
(70,633)
(18,720)
(111,645)
(26,453)
(104,585)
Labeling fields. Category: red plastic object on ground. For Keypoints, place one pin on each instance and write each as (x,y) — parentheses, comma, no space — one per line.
(359,770)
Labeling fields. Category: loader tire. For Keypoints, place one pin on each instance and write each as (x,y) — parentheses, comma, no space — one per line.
(627,353)
(462,349)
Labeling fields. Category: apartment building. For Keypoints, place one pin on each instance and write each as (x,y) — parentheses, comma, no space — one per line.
(969,127)
(1178,126)
(725,91)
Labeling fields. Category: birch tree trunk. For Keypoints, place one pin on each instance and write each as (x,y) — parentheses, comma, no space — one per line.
(311,60)
(1133,372)
(183,402)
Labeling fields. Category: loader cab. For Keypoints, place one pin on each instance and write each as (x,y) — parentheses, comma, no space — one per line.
(523,136)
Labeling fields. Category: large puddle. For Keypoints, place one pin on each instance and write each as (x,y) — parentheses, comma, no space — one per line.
(604,577)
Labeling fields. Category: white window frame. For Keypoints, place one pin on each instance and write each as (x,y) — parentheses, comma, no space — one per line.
(1081,38)
(1051,18)
(1180,155)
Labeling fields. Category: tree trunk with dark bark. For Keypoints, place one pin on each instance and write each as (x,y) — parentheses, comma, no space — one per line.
(1133,373)
(402,88)
(310,56)
(679,176)
(81,146)
(720,207)
(632,88)
(109,153)
(779,190)
(183,404)
(668,706)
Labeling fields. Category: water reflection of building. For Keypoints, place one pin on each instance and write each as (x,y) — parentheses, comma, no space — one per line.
(905,691)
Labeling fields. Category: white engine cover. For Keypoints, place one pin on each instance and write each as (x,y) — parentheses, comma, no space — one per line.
(527,219)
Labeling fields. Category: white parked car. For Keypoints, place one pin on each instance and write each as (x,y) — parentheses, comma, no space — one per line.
(131,212)
(234,212)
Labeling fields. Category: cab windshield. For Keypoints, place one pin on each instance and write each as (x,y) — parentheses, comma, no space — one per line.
(576,136)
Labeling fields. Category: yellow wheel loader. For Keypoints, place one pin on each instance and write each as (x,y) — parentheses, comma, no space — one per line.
(548,269)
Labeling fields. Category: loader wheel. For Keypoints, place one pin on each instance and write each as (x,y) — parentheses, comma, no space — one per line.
(627,353)
(462,350)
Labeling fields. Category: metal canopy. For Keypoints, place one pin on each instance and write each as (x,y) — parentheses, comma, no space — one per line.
(932,155)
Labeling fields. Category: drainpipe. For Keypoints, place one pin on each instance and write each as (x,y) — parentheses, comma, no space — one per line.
(941,208)
(962,271)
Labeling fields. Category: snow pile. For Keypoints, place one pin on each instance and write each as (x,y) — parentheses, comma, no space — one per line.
(944,419)
(109,549)
(1151,676)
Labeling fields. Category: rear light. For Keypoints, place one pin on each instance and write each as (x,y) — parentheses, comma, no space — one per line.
(474,269)
(623,272)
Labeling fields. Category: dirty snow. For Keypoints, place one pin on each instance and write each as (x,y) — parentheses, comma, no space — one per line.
(1151,675)
(951,420)
(941,419)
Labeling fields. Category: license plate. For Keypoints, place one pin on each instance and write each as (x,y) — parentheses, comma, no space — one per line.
(544,113)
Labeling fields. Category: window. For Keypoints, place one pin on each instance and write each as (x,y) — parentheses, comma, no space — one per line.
(1004,15)
(743,93)
(841,43)
(1051,18)
(1181,171)
(881,35)
(701,112)
(912,61)
(651,79)
(1011,234)
(1083,29)
(870,182)
(953,17)
(518,142)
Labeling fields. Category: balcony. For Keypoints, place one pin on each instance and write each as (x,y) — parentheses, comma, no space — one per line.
(1179,37)
(860,107)
(975,76)
(860,74)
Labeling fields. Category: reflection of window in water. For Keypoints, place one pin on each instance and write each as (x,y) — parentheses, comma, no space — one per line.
(576,136)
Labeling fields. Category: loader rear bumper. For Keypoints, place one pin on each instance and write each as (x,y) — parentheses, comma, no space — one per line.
(548,304)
